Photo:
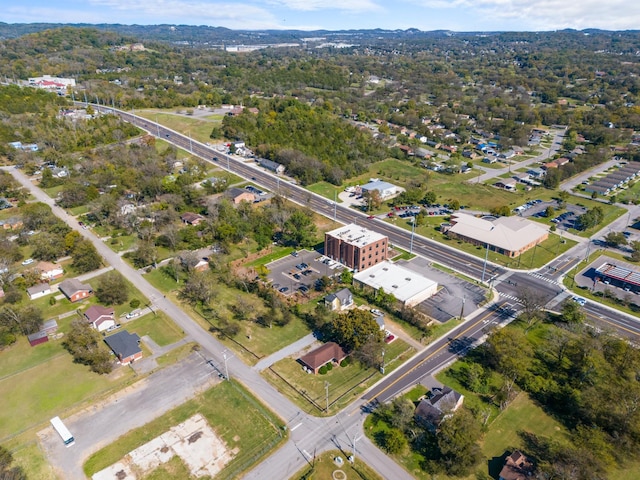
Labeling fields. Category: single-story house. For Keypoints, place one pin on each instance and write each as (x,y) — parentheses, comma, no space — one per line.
(75,290)
(516,467)
(100,318)
(239,195)
(191,218)
(407,286)
(329,352)
(510,236)
(385,189)
(339,300)
(39,290)
(536,173)
(439,404)
(49,271)
(125,346)
(275,167)
(37,338)
(489,160)
(506,183)
(522,177)
(202,265)
(50,327)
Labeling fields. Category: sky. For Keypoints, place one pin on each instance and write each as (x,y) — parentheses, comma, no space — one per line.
(456,15)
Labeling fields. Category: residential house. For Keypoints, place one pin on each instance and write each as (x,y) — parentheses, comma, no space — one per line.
(329,352)
(191,218)
(239,195)
(489,160)
(49,271)
(125,346)
(339,300)
(516,467)
(202,265)
(523,177)
(75,290)
(439,404)
(39,290)
(506,183)
(100,318)
(275,167)
(536,173)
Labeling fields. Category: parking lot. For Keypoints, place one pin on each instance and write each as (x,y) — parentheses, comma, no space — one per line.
(452,292)
(299,271)
(563,221)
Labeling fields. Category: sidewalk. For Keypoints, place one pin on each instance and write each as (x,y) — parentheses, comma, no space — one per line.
(290,349)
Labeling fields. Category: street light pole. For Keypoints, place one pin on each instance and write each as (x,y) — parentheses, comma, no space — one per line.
(226,370)
(413,232)
(486,256)
(335,205)
(326,388)
(157,126)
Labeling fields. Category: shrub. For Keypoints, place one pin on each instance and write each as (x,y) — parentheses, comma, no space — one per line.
(329,366)
(345,362)
(135,303)
(52,300)
(322,370)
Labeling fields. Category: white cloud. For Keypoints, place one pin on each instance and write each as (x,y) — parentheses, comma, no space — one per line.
(342,5)
(548,14)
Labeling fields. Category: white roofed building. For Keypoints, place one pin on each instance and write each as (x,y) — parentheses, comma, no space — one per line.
(385,189)
(510,236)
(407,286)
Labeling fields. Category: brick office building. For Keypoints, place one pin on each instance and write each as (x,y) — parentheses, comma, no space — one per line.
(356,247)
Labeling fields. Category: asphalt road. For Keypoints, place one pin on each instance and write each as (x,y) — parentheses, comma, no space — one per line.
(309,435)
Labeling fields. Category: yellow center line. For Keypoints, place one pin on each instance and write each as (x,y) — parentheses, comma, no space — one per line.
(432,354)
(615,325)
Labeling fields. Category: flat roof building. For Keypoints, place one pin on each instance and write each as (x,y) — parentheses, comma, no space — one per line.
(356,247)
(407,286)
(385,189)
(510,236)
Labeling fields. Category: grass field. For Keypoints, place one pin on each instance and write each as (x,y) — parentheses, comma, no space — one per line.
(159,327)
(236,416)
(308,390)
(197,127)
(324,466)
(42,384)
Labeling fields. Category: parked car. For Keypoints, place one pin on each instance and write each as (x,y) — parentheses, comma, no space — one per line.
(284,290)
(28,261)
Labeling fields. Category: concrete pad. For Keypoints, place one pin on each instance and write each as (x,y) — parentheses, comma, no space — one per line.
(117,471)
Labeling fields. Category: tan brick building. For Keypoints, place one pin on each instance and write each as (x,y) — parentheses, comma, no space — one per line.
(356,247)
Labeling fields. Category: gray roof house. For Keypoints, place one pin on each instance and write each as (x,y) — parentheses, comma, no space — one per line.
(125,345)
(439,404)
(339,300)
(276,167)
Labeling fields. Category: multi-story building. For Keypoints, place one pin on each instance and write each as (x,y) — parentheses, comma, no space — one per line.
(356,247)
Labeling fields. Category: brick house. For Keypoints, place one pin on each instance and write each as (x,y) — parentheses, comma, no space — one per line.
(329,352)
(125,346)
(75,290)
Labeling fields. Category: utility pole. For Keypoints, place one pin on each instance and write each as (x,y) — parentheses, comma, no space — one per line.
(326,388)
(157,126)
(464,299)
(335,205)
(484,267)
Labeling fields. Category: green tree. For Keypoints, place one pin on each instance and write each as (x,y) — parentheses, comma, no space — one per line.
(572,312)
(429,198)
(614,239)
(112,289)
(457,441)
(86,346)
(351,330)
(85,257)
(299,229)
(393,441)
(7,471)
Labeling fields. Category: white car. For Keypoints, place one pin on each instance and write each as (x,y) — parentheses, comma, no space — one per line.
(28,261)
(580,301)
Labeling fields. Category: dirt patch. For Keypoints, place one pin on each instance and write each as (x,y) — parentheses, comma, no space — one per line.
(194,441)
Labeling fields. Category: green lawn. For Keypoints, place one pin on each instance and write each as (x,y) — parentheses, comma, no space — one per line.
(326,189)
(197,127)
(276,253)
(346,383)
(51,386)
(236,416)
(122,243)
(159,327)
(324,466)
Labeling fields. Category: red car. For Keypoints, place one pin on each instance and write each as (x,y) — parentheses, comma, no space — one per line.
(371,217)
